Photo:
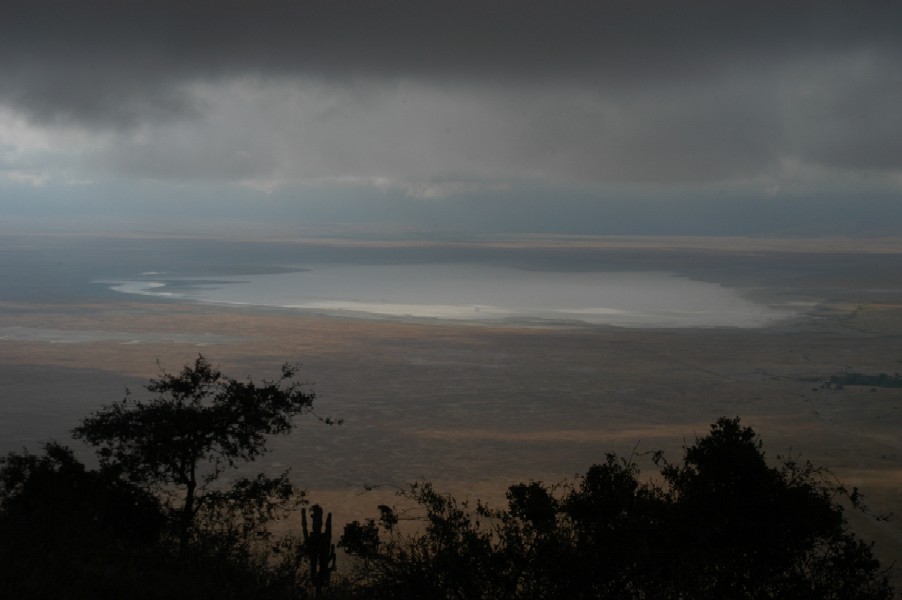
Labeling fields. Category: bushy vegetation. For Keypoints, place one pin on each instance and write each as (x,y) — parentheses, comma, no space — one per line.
(882,380)
(721,523)
(157,519)
(71,532)
(198,424)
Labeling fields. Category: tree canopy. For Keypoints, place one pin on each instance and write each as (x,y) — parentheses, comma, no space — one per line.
(721,523)
(197,424)
(157,520)
(70,532)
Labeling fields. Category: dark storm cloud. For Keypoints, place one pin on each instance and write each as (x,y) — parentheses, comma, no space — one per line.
(122,61)
(545,113)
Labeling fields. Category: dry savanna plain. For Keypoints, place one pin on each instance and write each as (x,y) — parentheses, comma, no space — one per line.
(474,407)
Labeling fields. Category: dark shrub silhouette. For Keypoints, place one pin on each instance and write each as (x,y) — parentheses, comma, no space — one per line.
(66,530)
(199,424)
(722,523)
(156,521)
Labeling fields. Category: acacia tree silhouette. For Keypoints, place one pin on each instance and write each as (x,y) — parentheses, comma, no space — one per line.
(199,424)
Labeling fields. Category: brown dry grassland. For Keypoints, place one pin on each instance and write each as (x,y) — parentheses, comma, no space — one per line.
(474,408)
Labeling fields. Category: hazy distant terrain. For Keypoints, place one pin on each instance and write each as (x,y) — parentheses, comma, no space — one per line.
(475,407)
(502,238)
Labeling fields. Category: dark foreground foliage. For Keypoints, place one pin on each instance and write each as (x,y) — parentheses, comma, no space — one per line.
(721,523)
(197,425)
(70,532)
(157,520)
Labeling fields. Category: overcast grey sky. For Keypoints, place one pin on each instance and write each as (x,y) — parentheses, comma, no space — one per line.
(508,115)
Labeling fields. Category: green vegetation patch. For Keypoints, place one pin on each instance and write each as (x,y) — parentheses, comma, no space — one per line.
(881,380)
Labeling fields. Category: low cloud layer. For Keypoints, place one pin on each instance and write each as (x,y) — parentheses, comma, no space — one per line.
(441,100)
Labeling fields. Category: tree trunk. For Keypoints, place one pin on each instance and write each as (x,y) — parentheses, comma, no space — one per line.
(186,517)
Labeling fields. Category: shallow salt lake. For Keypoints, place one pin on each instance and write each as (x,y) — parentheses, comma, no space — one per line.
(473,292)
